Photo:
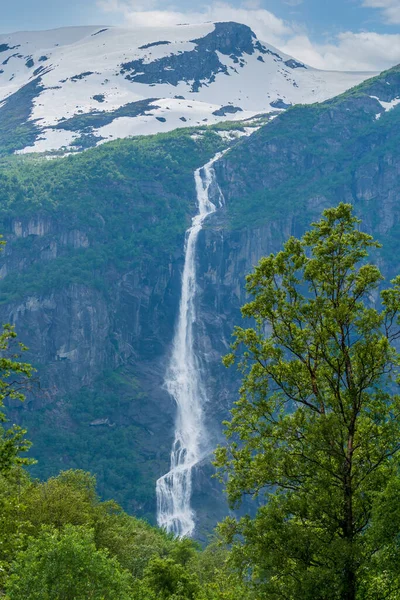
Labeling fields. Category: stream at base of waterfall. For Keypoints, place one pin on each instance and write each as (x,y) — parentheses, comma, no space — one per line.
(184,380)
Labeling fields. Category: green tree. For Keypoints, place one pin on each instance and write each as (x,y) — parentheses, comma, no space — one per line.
(13,525)
(61,565)
(218,580)
(14,377)
(169,580)
(315,434)
(68,499)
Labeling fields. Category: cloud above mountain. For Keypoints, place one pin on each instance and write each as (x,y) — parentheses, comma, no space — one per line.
(366,51)
(390,9)
(356,51)
(264,22)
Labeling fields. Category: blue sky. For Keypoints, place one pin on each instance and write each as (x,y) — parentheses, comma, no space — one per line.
(354,34)
(321,17)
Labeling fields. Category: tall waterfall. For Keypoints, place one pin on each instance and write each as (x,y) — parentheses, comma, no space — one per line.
(185,383)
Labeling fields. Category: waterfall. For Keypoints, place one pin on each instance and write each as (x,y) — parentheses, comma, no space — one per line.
(185,383)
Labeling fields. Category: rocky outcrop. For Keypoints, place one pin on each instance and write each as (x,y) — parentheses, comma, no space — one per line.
(199,65)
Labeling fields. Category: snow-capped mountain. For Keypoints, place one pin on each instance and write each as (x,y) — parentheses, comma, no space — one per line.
(82,86)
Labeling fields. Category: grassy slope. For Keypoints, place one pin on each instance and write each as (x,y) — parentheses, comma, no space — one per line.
(131,197)
(310,152)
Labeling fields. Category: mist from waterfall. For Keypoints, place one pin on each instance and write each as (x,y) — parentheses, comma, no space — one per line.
(184,381)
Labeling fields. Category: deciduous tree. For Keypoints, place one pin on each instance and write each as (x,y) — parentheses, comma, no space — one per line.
(316,431)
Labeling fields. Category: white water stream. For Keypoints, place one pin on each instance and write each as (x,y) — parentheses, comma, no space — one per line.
(185,383)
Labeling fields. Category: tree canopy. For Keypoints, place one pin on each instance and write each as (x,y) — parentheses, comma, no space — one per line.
(315,434)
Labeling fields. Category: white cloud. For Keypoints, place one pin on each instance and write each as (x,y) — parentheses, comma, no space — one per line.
(265,23)
(366,51)
(349,51)
(390,9)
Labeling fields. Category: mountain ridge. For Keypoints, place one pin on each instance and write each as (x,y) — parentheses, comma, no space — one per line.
(193,74)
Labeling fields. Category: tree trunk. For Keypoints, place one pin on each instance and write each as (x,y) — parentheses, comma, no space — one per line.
(349,576)
(349,591)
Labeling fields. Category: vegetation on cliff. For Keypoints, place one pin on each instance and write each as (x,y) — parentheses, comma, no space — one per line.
(131,198)
(316,156)
(314,438)
(105,229)
(92,220)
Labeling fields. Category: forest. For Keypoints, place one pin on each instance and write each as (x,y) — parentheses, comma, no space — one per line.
(313,442)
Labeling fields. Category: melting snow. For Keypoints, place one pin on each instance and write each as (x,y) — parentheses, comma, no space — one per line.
(81,64)
(386,105)
(389,105)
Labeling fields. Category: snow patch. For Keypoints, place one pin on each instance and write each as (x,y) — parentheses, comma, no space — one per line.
(84,64)
(387,105)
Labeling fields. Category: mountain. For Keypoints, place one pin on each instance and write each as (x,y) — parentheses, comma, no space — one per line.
(77,87)
(91,274)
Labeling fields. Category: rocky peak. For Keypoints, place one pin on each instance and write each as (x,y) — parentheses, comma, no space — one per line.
(229,38)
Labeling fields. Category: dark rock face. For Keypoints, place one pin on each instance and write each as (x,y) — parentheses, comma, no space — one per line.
(78,334)
(152,44)
(295,64)
(98,32)
(227,110)
(14,115)
(81,76)
(280,104)
(61,329)
(87,122)
(16,55)
(264,50)
(228,38)
(201,64)
(176,68)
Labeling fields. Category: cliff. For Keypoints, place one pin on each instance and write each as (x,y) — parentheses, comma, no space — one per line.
(91,271)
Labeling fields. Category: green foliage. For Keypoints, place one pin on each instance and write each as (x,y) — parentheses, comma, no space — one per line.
(58,540)
(69,498)
(134,542)
(131,199)
(128,470)
(12,518)
(167,579)
(16,129)
(313,156)
(218,580)
(14,377)
(64,565)
(316,430)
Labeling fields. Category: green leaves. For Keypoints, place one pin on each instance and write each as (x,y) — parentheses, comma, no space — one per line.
(316,429)
(130,202)
(14,377)
(64,565)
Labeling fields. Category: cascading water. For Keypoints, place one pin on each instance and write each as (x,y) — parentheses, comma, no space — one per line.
(185,383)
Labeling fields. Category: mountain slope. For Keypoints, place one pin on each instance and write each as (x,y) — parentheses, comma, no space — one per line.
(91,275)
(77,87)
(314,156)
(91,272)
